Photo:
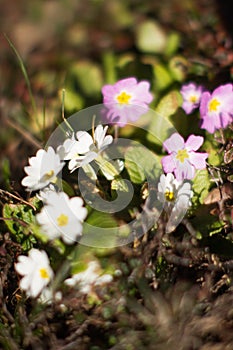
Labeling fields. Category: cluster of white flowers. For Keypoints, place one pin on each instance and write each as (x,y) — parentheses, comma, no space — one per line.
(86,148)
(61,216)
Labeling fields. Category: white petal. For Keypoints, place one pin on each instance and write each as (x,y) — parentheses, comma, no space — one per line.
(37,284)
(85,141)
(107,141)
(100,133)
(25,283)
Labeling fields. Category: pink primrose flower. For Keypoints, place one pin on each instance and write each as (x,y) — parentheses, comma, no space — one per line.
(216,109)
(126,100)
(183,159)
(191,94)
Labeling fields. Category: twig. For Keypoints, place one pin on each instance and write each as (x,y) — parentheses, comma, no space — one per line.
(190,229)
(23,132)
(3,192)
(21,222)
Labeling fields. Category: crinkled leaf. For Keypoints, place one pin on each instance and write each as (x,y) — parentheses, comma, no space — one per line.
(19,218)
(212,148)
(201,185)
(18,215)
(141,164)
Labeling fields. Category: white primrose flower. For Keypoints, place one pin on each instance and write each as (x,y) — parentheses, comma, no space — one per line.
(89,278)
(62,216)
(36,271)
(86,148)
(42,169)
(175,197)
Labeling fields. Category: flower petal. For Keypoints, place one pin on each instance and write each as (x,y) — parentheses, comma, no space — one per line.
(184,171)
(194,142)
(168,163)
(174,143)
(198,159)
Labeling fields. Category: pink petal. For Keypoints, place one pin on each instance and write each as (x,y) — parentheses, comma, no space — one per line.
(125,83)
(207,124)
(206,96)
(225,119)
(194,142)
(188,107)
(198,159)
(141,92)
(184,171)
(222,91)
(168,163)
(174,143)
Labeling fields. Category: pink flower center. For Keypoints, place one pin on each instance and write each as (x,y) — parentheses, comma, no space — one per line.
(62,220)
(213,105)
(182,154)
(123,98)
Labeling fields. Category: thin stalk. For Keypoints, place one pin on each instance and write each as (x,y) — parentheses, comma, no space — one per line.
(25,75)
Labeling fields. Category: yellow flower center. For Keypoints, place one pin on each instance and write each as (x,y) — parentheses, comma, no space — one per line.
(169,196)
(62,220)
(193,99)
(213,105)
(44,273)
(123,98)
(182,154)
(49,174)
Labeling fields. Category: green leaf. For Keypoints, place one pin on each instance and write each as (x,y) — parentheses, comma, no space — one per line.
(19,218)
(178,67)
(169,104)
(67,188)
(100,219)
(163,78)
(119,184)
(150,37)
(141,163)
(89,77)
(110,168)
(210,146)
(173,41)
(99,230)
(18,215)
(201,185)
(73,101)
(161,127)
